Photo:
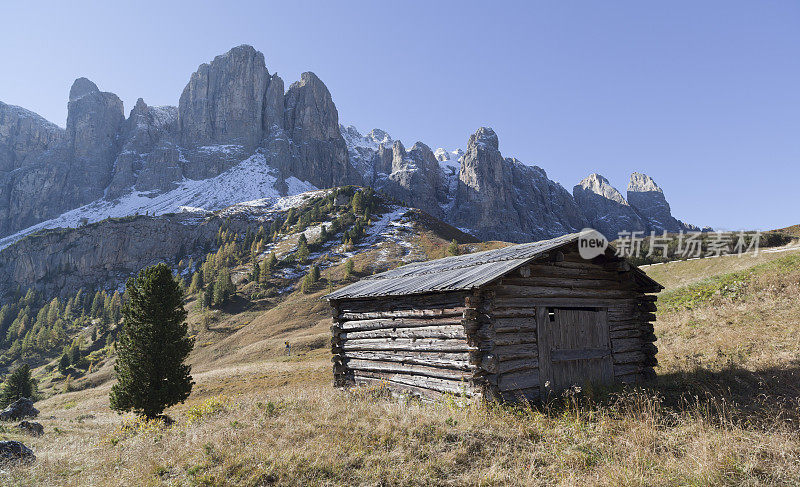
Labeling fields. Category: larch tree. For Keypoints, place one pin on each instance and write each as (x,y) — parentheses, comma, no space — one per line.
(152,346)
(18,384)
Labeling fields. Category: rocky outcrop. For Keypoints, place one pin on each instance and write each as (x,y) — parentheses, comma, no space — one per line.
(503,199)
(648,199)
(605,209)
(415,177)
(231,109)
(31,428)
(74,171)
(94,120)
(224,101)
(150,159)
(20,409)
(311,121)
(14,451)
(23,136)
(61,261)
(233,112)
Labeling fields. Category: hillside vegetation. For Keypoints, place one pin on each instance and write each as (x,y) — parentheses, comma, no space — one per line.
(724,411)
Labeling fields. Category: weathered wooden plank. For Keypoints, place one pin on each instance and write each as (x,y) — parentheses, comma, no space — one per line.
(628,357)
(457,361)
(515,338)
(422,344)
(506,291)
(564,281)
(502,325)
(414,313)
(570,355)
(526,379)
(399,368)
(517,365)
(377,324)
(432,383)
(516,352)
(441,332)
(514,313)
(427,394)
(393,303)
(627,369)
(532,302)
(545,362)
(631,324)
(554,270)
(626,333)
(620,345)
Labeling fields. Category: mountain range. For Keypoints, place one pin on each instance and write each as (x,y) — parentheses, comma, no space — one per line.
(238,134)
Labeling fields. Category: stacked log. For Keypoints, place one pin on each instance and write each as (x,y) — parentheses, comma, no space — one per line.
(415,344)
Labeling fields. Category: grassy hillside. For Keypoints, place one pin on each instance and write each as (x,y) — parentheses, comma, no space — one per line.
(724,410)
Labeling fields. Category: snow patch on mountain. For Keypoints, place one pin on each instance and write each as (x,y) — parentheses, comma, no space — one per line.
(251,179)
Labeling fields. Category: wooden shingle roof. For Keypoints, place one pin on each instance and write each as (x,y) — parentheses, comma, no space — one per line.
(458,273)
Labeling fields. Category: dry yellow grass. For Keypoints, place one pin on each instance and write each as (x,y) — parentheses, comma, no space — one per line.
(724,411)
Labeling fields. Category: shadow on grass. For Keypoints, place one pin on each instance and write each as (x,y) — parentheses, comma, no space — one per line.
(752,397)
(763,399)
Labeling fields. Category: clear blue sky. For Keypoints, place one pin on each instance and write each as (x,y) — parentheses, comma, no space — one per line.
(703,96)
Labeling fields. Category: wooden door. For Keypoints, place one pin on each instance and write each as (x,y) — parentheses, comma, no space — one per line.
(574,348)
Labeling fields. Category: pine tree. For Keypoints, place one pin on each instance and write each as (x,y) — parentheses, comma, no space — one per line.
(255,274)
(97,304)
(64,363)
(348,268)
(152,346)
(197,283)
(223,288)
(452,249)
(18,384)
(302,248)
(358,203)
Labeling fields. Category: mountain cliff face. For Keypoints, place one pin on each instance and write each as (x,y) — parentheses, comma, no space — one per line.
(231,109)
(606,210)
(237,129)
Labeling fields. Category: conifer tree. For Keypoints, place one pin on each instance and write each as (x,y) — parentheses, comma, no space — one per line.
(452,249)
(348,268)
(197,283)
(152,346)
(64,362)
(302,248)
(223,288)
(18,384)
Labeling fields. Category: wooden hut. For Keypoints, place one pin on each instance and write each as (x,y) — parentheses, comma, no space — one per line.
(523,321)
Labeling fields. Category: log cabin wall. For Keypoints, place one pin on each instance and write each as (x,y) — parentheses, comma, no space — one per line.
(510,308)
(416,344)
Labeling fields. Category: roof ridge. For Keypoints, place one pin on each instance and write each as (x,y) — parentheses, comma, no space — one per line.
(378,277)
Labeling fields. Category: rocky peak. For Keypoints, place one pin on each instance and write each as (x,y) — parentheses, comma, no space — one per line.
(94,120)
(24,135)
(445,155)
(647,198)
(310,109)
(600,186)
(82,87)
(223,103)
(505,199)
(319,153)
(641,183)
(484,136)
(605,208)
(378,136)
